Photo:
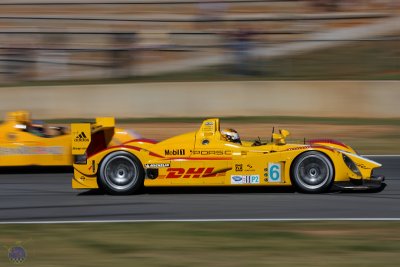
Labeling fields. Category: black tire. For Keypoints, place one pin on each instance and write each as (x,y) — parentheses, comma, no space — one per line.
(312,172)
(121,173)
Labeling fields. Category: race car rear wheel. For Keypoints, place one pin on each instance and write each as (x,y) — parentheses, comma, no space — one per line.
(121,173)
(312,172)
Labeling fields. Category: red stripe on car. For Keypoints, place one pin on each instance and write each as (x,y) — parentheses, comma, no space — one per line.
(141,140)
(327,141)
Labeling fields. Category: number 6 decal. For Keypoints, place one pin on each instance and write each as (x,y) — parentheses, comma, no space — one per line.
(274,172)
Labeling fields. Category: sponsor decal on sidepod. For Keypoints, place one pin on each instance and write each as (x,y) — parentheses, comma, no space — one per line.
(245,179)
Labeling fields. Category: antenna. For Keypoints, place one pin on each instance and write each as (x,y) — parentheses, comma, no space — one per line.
(272,136)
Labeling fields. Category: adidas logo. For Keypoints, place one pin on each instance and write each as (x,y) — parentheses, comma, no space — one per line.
(81,135)
(81,138)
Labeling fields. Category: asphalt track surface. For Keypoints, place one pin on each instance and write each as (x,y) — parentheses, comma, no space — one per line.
(28,196)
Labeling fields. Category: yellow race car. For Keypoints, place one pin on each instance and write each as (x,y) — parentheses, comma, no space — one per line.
(210,157)
(24,142)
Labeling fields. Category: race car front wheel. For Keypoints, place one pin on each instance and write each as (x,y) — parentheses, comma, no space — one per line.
(121,173)
(312,172)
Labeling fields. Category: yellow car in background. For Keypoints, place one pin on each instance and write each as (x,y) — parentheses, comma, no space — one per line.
(24,142)
(210,157)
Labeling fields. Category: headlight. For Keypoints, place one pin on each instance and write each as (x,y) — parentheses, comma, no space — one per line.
(351,165)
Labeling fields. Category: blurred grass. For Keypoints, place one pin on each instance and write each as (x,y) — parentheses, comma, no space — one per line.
(207,244)
(358,60)
(366,60)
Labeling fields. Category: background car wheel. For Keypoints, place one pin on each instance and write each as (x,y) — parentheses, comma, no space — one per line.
(312,172)
(121,173)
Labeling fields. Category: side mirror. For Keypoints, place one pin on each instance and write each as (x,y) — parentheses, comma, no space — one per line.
(284,133)
(280,139)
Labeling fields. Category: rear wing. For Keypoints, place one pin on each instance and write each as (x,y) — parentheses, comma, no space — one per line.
(89,138)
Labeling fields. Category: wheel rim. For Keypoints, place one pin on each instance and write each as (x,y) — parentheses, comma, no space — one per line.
(121,172)
(313,172)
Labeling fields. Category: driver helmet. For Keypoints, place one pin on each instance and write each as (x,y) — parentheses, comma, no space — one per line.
(231,135)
